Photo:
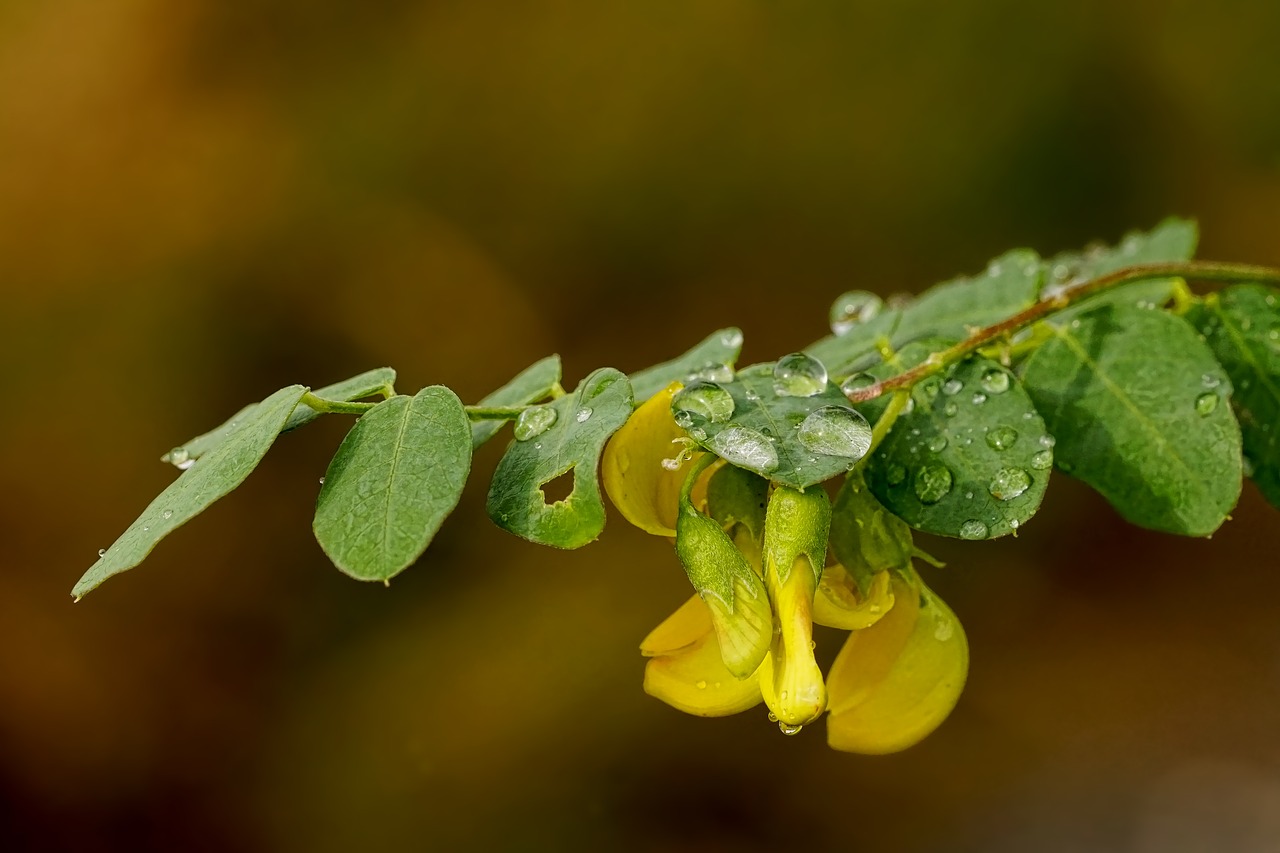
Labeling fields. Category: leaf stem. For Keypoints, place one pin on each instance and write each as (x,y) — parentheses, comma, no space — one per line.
(494,413)
(320,404)
(939,361)
(896,406)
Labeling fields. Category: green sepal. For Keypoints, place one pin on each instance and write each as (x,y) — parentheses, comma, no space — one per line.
(735,496)
(733,592)
(516,500)
(865,537)
(797,524)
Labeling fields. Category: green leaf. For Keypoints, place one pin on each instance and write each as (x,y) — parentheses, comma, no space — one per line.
(534,383)
(704,361)
(1171,240)
(584,421)
(949,310)
(762,432)
(220,469)
(1242,326)
(380,380)
(865,537)
(396,477)
(971,457)
(1132,396)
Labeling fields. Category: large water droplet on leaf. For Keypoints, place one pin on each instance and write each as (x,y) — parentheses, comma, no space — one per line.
(1009,483)
(857,382)
(712,373)
(702,402)
(995,381)
(1002,438)
(973,529)
(932,483)
(852,308)
(534,421)
(836,431)
(745,447)
(1043,460)
(799,375)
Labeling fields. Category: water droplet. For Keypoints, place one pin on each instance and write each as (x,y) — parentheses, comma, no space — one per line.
(702,402)
(836,431)
(945,627)
(852,308)
(584,415)
(932,483)
(973,529)
(102,552)
(788,729)
(994,269)
(322,481)
(799,375)
(895,474)
(702,685)
(1002,438)
(857,382)
(1043,460)
(1210,381)
(951,408)
(1047,440)
(671,464)
(930,387)
(1206,403)
(731,338)
(979,398)
(952,387)
(534,421)
(167,514)
(1009,483)
(938,443)
(185,465)
(713,373)
(698,433)
(744,447)
(178,456)
(995,381)
(773,718)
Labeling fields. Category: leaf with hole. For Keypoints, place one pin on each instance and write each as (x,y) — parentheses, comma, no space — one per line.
(1242,327)
(569,443)
(1137,403)
(220,469)
(398,474)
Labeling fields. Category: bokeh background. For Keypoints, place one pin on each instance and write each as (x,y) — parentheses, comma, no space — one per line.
(202,201)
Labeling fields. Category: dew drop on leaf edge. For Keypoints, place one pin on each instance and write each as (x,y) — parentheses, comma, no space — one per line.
(973,529)
(702,402)
(853,308)
(1009,483)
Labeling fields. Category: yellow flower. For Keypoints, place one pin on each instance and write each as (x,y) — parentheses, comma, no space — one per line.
(725,651)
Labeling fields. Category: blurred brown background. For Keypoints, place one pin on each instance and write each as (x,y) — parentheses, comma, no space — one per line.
(203,201)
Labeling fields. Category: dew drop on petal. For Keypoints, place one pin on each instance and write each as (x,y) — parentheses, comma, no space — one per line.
(799,375)
(534,421)
(788,729)
(836,431)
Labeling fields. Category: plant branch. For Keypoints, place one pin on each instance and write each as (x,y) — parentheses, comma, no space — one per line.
(1198,270)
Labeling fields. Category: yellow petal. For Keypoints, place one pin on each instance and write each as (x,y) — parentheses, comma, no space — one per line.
(690,623)
(790,680)
(745,631)
(895,682)
(694,679)
(644,492)
(838,605)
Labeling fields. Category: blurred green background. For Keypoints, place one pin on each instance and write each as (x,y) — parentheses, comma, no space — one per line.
(201,202)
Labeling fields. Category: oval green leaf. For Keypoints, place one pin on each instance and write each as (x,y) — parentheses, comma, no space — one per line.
(396,477)
(1138,405)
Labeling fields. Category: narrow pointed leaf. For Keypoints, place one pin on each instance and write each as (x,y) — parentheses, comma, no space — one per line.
(1138,405)
(396,477)
(221,469)
(1242,327)
(376,381)
(584,420)
(719,350)
(534,383)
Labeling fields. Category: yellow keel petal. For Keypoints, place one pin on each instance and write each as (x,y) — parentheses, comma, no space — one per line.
(838,605)
(895,682)
(689,624)
(790,679)
(646,493)
(694,679)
